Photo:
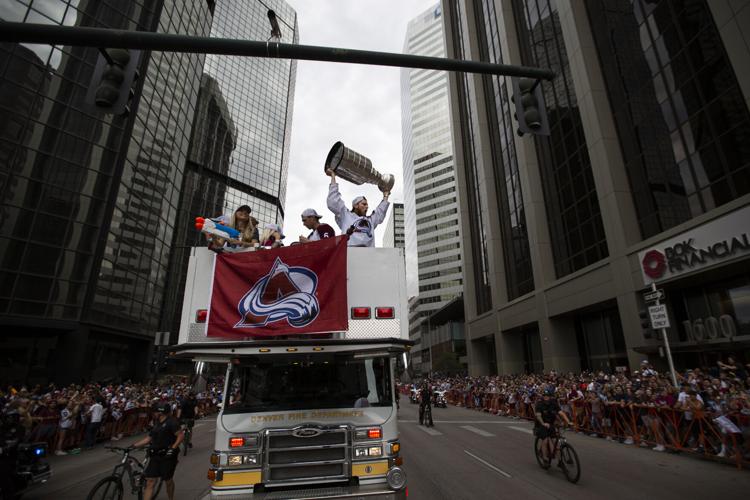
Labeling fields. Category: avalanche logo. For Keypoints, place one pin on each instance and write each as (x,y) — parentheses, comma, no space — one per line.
(285,293)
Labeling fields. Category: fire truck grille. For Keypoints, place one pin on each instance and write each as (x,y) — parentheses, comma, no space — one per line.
(292,458)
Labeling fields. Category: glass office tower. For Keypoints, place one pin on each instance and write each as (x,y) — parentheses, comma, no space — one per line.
(432,219)
(89,200)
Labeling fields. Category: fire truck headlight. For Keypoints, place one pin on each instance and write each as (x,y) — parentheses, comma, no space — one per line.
(234,460)
(375,451)
(360,452)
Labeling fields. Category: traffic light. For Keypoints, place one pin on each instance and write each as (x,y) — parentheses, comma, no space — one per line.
(531,113)
(115,74)
(648,332)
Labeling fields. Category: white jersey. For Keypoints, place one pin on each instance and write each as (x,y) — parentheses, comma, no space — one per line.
(364,226)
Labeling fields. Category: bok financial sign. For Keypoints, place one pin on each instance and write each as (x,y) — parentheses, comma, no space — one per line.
(710,244)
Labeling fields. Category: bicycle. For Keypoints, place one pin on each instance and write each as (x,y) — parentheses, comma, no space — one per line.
(111,487)
(188,424)
(425,416)
(567,456)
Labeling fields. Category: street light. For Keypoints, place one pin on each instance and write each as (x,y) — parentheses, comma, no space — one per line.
(275,30)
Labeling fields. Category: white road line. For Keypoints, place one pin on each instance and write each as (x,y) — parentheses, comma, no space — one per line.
(499,471)
(522,429)
(477,431)
(463,421)
(430,431)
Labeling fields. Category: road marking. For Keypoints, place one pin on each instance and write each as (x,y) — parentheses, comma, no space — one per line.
(522,429)
(477,431)
(499,471)
(430,431)
(463,421)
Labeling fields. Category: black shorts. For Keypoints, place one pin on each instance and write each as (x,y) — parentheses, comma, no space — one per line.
(161,466)
(543,433)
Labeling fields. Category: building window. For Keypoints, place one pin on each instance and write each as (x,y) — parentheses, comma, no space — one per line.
(468,116)
(575,223)
(683,125)
(601,343)
(519,276)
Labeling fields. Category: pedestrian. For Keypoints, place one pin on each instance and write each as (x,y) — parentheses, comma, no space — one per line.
(95,413)
(319,231)
(163,449)
(355,222)
(64,425)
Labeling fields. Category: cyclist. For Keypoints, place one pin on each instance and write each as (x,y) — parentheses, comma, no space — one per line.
(425,402)
(163,449)
(546,411)
(186,413)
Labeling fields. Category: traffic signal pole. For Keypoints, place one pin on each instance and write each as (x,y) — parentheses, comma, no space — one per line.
(165,42)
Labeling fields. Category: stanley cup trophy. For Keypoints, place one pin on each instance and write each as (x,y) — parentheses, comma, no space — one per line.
(356,168)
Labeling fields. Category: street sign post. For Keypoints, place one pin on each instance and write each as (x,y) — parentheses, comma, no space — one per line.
(654,296)
(659,316)
(660,321)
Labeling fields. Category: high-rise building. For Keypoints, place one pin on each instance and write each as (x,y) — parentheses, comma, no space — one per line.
(432,219)
(394,229)
(239,150)
(642,181)
(89,200)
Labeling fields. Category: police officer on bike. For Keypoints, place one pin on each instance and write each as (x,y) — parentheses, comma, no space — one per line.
(186,412)
(425,403)
(546,413)
(163,448)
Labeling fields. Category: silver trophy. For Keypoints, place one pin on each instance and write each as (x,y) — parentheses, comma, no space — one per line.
(356,168)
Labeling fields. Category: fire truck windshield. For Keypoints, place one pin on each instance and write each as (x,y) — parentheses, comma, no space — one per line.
(286,382)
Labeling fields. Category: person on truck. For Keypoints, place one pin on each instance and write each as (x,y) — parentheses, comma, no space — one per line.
(355,222)
(163,448)
(311,220)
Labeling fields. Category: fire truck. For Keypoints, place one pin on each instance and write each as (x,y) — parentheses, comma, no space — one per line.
(307,415)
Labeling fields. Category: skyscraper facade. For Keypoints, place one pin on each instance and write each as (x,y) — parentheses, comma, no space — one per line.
(394,236)
(432,220)
(642,182)
(239,149)
(89,200)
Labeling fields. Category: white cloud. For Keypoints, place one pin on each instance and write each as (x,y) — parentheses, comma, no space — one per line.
(357,104)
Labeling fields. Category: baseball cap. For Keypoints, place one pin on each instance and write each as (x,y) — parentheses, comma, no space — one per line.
(310,212)
(244,208)
(275,227)
(357,200)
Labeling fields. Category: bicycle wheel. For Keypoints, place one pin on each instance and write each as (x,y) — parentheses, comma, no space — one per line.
(539,455)
(428,417)
(109,488)
(570,464)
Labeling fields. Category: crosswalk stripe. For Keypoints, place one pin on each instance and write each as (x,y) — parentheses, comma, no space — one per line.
(430,430)
(522,429)
(477,431)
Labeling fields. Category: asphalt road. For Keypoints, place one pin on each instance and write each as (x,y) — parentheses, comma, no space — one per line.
(474,455)
(467,455)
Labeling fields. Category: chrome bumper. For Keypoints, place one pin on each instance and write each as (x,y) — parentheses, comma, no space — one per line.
(366,492)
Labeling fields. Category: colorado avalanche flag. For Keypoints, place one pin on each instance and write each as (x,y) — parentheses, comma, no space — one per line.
(284,291)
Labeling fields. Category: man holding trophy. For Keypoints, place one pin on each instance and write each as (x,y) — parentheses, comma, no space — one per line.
(358,169)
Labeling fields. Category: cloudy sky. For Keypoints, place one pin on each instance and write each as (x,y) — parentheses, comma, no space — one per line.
(356,104)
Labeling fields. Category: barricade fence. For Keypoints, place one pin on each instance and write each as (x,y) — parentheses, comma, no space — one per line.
(131,422)
(719,437)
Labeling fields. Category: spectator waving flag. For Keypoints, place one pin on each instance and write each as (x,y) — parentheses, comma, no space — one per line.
(295,290)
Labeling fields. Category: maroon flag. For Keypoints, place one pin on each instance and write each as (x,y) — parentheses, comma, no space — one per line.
(284,291)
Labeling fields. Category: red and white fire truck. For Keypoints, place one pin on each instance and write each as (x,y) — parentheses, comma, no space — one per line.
(308,411)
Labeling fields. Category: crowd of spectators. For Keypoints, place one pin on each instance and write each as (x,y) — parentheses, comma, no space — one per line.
(708,412)
(77,416)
